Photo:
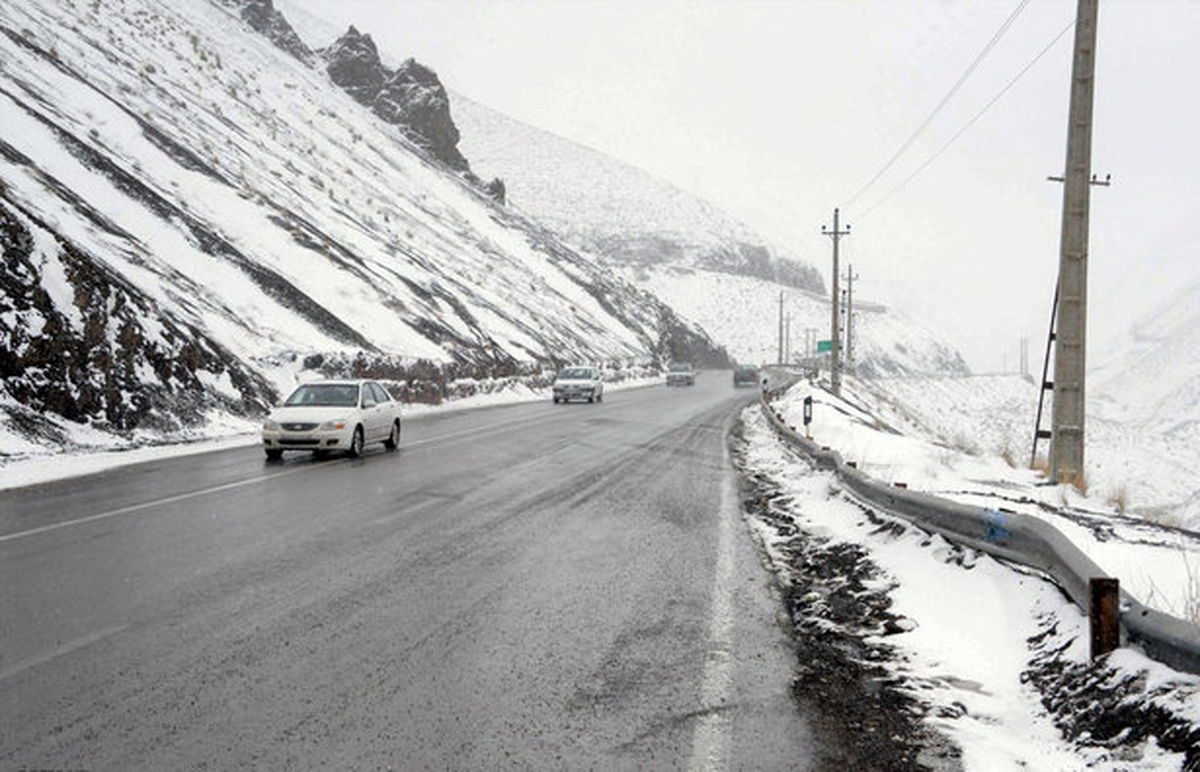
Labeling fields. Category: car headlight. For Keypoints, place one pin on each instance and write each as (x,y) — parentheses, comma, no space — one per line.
(336,424)
(270,426)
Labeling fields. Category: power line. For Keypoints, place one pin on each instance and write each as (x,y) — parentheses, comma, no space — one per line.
(929,161)
(1012,17)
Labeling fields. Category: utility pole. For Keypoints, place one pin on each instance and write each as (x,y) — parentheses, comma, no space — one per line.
(850,277)
(787,338)
(1070,345)
(779,359)
(835,374)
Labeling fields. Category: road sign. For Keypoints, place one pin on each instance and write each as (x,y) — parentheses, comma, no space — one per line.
(824,345)
(808,402)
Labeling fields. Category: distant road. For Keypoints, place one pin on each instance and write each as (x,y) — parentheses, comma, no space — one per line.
(533,586)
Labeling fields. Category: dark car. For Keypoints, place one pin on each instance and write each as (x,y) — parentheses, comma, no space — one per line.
(746,375)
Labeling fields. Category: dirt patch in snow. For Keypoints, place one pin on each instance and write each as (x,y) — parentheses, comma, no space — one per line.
(1110,706)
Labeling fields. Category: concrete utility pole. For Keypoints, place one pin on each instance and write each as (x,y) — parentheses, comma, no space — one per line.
(780,356)
(787,338)
(835,350)
(850,277)
(1070,345)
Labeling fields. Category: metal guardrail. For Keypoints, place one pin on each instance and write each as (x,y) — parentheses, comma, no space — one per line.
(1016,537)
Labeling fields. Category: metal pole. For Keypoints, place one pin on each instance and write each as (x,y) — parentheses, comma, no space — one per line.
(1070,347)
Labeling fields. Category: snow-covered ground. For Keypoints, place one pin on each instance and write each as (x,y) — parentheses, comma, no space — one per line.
(972,635)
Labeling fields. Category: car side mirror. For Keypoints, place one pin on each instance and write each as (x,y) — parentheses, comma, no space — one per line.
(368,403)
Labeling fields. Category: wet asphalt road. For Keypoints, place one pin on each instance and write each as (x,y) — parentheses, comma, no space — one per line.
(532,586)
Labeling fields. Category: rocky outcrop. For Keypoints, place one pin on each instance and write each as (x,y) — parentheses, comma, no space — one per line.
(353,64)
(414,99)
(495,188)
(263,17)
(411,98)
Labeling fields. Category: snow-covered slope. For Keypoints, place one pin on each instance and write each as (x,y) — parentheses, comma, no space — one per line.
(705,264)
(611,208)
(187,211)
(743,313)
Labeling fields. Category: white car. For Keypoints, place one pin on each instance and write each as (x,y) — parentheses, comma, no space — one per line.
(333,415)
(579,382)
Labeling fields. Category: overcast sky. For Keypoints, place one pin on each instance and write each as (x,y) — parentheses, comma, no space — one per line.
(779,111)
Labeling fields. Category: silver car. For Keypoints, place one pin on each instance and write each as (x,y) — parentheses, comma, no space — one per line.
(333,415)
(579,382)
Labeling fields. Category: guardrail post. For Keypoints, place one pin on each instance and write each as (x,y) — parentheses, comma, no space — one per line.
(1105,615)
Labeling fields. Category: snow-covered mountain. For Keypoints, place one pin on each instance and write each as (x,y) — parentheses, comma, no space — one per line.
(701,261)
(192,209)
(612,209)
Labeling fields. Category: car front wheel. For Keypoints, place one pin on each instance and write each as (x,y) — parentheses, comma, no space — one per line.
(356,443)
(393,440)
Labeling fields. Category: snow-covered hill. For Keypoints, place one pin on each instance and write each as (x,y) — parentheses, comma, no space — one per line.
(613,209)
(191,210)
(743,313)
(705,264)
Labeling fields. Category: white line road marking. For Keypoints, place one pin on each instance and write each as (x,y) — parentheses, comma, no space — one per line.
(711,735)
(240,483)
(146,505)
(59,651)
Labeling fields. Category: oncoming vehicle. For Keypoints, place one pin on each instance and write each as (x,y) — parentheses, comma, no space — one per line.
(579,382)
(681,374)
(746,375)
(333,415)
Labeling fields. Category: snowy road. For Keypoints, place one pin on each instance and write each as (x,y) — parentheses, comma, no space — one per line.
(529,586)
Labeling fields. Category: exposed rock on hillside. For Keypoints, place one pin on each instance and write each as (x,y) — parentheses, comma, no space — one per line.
(263,17)
(353,63)
(104,353)
(412,97)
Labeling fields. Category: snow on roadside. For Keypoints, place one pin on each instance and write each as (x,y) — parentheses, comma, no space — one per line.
(965,666)
(953,448)
(963,628)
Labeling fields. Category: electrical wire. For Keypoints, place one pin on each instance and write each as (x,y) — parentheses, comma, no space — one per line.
(1012,17)
(929,161)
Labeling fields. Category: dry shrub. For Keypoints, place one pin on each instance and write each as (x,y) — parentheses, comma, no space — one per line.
(1007,454)
(1079,482)
(1041,464)
(1118,500)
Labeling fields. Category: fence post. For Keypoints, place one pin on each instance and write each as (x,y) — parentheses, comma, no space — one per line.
(1105,615)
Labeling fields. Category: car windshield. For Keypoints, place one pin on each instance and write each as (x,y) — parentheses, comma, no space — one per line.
(325,395)
(575,373)
(680,368)
(746,368)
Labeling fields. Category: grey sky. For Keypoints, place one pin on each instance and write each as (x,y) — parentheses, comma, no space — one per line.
(778,111)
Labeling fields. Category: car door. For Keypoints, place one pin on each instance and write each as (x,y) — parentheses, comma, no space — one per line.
(372,411)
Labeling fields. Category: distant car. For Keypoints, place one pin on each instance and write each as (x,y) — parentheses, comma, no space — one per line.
(579,382)
(681,374)
(746,375)
(333,415)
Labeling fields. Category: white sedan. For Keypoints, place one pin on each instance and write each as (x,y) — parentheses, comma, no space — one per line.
(333,415)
